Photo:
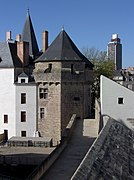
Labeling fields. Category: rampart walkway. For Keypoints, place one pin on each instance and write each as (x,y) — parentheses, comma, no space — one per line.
(83,136)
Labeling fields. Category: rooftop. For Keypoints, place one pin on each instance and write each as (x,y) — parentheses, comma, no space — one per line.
(28,35)
(8,55)
(63,49)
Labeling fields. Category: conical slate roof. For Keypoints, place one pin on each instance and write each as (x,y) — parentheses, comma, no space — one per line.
(63,48)
(28,35)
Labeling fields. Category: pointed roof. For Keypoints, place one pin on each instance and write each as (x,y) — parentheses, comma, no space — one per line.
(23,75)
(63,48)
(28,35)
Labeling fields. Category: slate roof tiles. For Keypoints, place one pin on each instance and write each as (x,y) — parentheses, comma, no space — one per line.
(63,48)
(8,55)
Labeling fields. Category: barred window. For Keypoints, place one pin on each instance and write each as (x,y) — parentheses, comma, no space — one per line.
(42,113)
(43,93)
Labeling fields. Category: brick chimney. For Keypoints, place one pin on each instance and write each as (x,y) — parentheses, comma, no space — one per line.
(8,35)
(18,37)
(23,52)
(44,40)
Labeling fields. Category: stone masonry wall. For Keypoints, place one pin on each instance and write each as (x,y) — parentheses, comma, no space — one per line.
(68,93)
(50,125)
(75,90)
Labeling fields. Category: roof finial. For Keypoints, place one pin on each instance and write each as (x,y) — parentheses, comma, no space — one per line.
(28,11)
(62,28)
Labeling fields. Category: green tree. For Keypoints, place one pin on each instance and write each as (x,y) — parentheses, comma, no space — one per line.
(102,66)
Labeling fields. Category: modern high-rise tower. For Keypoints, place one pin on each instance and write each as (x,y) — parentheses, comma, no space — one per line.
(114,51)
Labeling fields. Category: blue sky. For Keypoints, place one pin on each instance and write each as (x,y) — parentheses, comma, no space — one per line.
(90,23)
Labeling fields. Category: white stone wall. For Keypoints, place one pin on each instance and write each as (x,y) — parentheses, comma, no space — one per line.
(30,126)
(109,93)
(7,101)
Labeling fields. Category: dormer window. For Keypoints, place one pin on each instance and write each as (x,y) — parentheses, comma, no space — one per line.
(23,78)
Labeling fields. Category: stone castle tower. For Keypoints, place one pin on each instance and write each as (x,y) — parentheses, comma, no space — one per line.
(64,77)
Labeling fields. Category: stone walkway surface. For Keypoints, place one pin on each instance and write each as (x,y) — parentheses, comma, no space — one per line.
(83,136)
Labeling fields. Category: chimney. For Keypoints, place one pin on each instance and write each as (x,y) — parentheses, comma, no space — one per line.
(23,52)
(44,40)
(8,35)
(18,37)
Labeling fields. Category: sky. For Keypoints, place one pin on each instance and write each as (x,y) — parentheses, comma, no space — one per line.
(89,23)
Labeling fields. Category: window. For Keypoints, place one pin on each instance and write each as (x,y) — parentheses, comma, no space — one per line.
(22,80)
(120,100)
(5,134)
(5,118)
(50,67)
(76,99)
(72,68)
(23,133)
(23,116)
(42,113)
(43,93)
(23,98)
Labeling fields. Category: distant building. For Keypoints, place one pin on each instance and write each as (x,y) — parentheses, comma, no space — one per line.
(125,77)
(114,51)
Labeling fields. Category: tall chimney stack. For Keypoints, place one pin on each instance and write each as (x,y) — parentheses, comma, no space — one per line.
(44,40)
(23,52)
(18,37)
(8,35)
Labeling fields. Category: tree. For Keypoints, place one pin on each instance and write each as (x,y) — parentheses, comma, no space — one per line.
(102,66)
(91,53)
